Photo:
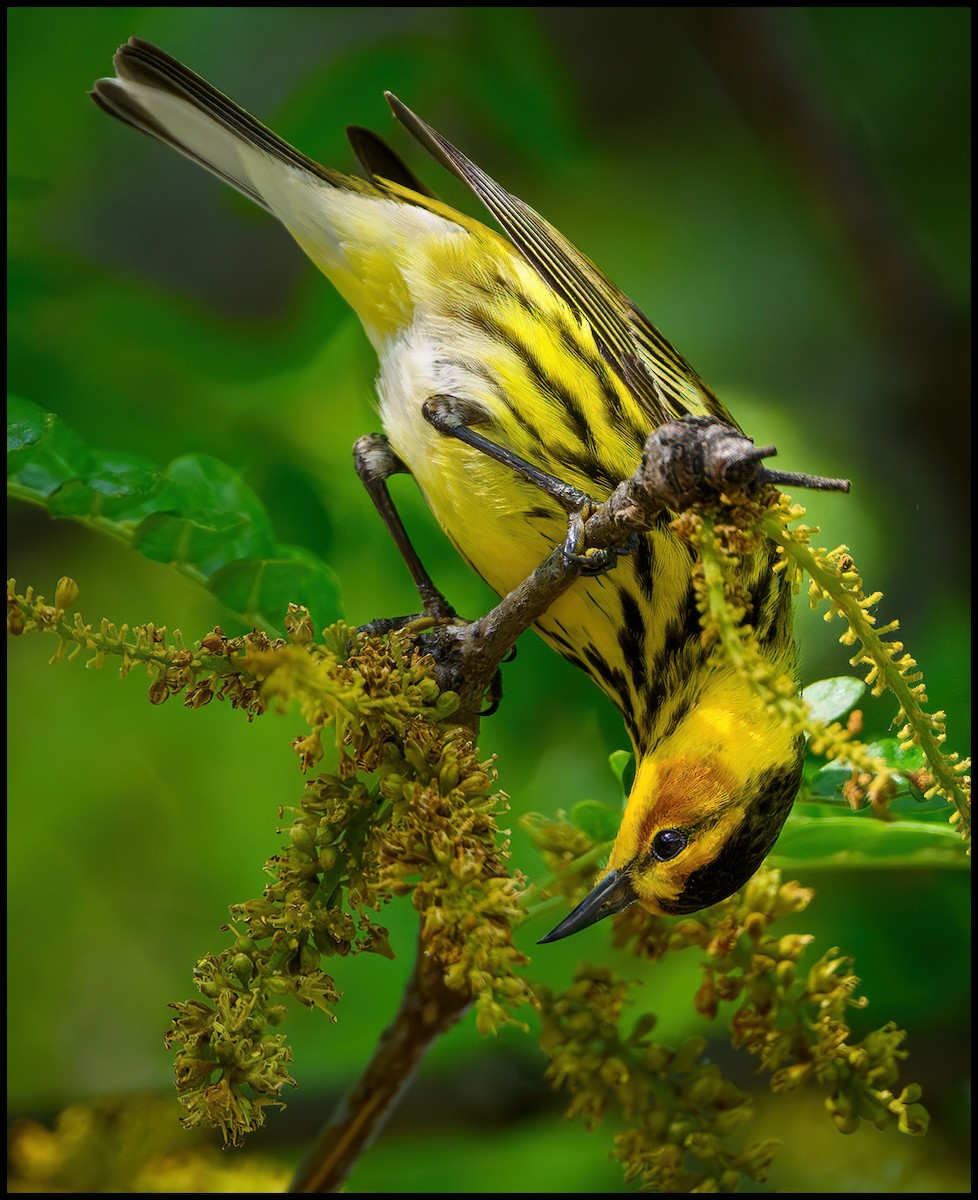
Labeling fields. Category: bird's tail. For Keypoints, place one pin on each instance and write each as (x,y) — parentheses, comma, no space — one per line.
(161,97)
(352,228)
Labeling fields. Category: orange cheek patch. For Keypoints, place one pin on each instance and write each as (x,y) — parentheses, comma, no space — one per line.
(689,791)
(682,793)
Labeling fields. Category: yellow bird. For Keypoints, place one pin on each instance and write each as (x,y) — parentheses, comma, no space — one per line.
(525,344)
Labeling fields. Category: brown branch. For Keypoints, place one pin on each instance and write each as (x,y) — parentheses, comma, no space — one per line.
(428,1009)
(685,463)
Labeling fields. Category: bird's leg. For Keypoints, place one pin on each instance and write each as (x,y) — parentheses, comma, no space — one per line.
(687,464)
(375,462)
(454,418)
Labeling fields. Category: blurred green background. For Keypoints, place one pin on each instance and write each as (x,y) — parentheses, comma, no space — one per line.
(784,191)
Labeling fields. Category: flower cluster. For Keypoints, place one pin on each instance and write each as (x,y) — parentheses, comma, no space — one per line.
(791,1019)
(407,808)
(398,804)
(213,669)
(835,582)
(681,1112)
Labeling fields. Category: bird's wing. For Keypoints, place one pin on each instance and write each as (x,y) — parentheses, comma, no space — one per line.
(658,376)
(381,162)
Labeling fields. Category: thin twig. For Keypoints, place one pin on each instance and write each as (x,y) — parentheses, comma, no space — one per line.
(685,463)
(428,1009)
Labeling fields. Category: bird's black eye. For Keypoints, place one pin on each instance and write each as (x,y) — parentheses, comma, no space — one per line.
(667,843)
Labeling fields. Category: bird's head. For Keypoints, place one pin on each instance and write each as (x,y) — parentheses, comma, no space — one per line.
(695,829)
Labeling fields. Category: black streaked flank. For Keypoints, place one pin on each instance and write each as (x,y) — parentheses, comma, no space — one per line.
(473,366)
(680,633)
(596,367)
(675,674)
(677,700)
(642,566)
(613,680)
(568,404)
(486,323)
(632,639)
(598,477)
(773,606)
(566,401)
(557,633)
(537,513)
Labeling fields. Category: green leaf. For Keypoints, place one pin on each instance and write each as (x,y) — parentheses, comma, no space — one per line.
(212,518)
(42,452)
(121,492)
(903,759)
(197,514)
(622,763)
(827,783)
(599,821)
(26,423)
(896,756)
(830,699)
(855,841)
(262,589)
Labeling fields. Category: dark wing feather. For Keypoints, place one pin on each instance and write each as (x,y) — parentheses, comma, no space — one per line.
(381,162)
(659,378)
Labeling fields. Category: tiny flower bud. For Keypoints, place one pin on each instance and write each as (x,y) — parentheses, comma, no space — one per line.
(914,1119)
(755,925)
(786,973)
(243,967)
(730,1120)
(705,1001)
(303,838)
(298,625)
(788,1078)
(214,642)
(793,945)
(842,1111)
(66,593)
(328,857)
(704,1087)
(757,1157)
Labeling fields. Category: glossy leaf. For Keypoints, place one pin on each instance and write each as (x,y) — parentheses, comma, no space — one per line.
(861,841)
(622,763)
(197,514)
(599,821)
(43,454)
(830,699)
(827,783)
(262,589)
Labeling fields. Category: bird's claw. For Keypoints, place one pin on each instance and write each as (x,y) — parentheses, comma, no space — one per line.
(596,561)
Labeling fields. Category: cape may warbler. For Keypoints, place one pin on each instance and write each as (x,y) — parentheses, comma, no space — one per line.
(557,368)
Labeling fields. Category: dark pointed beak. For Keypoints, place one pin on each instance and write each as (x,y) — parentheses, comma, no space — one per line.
(612,895)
